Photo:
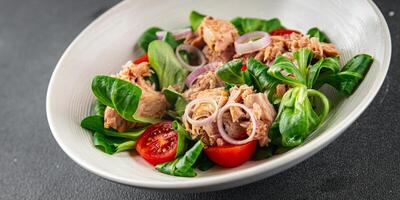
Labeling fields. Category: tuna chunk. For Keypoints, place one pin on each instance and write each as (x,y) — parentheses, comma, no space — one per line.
(115,121)
(285,45)
(208,80)
(263,110)
(223,56)
(218,34)
(195,40)
(152,103)
(236,121)
(208,133)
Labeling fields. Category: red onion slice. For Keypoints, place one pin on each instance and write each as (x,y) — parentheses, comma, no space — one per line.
(201,70)
(193,50)
(221,129)
(178,34)
(205,121)
(244,44)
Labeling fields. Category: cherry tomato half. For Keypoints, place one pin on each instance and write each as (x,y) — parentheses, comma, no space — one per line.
(141,59)
(158,143)
(283,31)
(231,155)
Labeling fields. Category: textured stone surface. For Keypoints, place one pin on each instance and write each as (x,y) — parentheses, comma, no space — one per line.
(361,164)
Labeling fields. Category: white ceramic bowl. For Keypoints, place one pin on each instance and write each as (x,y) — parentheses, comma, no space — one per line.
(355,26)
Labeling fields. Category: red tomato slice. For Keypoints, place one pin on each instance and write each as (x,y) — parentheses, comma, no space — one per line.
(141,59)
(231,155)
(158,143)
(283,31)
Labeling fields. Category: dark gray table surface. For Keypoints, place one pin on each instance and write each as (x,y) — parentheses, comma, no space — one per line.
(364,163)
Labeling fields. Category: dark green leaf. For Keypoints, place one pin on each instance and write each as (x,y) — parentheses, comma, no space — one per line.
(183,166)
(323,66)
(315,32)
(100,142)
(262,81)
(148,36)
(350,77)
(125,97)
(246,25)
(154,81)
(296,116)
(303,57)
(177,101)
(204,163)
(96,124)
(121,95)
(283,64)
(180,106)
(231,72)
(181,137)
(99,108)
(169,39)
(165,64)
(263,152)
(111,145)
(195,19)
(128,145)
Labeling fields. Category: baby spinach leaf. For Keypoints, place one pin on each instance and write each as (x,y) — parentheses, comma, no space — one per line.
(99,108)
(183,166)
(195,19)
(165,64)
(148,36)
(95,123)
(262,81)
(121,95)
(231,72)
(351,75)
(245,25)
(315,32)
(323,66)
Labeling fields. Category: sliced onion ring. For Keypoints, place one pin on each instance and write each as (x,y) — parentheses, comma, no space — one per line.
(221,129)
(205,121)
(190,49)
(243,44)
(178,34)
(201,70)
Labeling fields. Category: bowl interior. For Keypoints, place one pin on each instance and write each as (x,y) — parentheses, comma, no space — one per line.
(110,41)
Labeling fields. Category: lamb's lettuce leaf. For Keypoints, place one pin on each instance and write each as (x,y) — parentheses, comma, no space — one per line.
(183,165)
(165,64)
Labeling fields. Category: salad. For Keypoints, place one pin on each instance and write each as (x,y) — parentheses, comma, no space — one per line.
(219,93)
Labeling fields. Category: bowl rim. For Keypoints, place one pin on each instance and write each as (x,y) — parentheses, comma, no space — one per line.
(257,172)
